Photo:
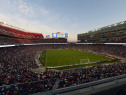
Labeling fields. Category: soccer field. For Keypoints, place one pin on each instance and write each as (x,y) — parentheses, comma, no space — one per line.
(59,57)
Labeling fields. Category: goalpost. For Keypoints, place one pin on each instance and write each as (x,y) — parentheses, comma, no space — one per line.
(84,60)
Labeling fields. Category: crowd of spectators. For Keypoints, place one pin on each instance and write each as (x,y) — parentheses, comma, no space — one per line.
(4,40)
(17,78)
(118,50)
(11,41)
(7,40)
(101,41)
(15,68)
(94,73)
(28,88)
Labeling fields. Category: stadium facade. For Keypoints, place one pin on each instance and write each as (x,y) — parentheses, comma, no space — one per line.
(21,72)
(109,34)
(14,35)
(12,31)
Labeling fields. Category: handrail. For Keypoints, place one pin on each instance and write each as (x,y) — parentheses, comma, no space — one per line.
(67,89)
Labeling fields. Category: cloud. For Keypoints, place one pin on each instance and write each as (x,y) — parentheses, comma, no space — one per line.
(35,26)
(29,26)
(41,20)
(23,7)
(30,10)
(5,19)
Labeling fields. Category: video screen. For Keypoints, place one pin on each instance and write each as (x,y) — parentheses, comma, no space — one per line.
(63,47)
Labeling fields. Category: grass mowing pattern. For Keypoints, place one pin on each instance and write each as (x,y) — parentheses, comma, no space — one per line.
(58,57)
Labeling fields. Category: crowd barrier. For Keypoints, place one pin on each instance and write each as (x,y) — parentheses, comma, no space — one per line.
(82,86)
(67,89)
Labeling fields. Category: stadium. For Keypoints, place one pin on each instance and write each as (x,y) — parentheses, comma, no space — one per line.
(32,64)
(114,33)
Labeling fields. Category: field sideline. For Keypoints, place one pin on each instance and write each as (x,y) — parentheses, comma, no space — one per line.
(59,57)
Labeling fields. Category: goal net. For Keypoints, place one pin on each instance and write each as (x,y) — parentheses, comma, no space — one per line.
(84,61)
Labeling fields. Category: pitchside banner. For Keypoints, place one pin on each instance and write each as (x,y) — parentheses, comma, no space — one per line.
(59,35)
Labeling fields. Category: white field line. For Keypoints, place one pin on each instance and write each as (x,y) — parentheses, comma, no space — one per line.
(75,64)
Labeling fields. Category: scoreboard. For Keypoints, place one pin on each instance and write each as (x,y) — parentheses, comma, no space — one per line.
(59,35)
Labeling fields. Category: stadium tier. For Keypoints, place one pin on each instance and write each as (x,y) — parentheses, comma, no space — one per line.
(115,33)
(13,32)
(60,67)
(17,65)
(12,35)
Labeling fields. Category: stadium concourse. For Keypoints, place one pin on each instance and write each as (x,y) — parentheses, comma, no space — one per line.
(17,77)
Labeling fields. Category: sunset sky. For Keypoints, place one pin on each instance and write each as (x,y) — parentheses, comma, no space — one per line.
(67,16)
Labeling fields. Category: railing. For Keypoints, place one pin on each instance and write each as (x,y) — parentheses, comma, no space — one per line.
(90,84)
(82,86)
(12,85)
(77,87)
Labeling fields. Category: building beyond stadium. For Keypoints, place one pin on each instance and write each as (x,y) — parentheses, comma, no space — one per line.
(109,34)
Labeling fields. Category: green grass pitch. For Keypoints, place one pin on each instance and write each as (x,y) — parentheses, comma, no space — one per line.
(58,57)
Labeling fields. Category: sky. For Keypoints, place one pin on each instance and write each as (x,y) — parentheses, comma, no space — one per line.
(66,16)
